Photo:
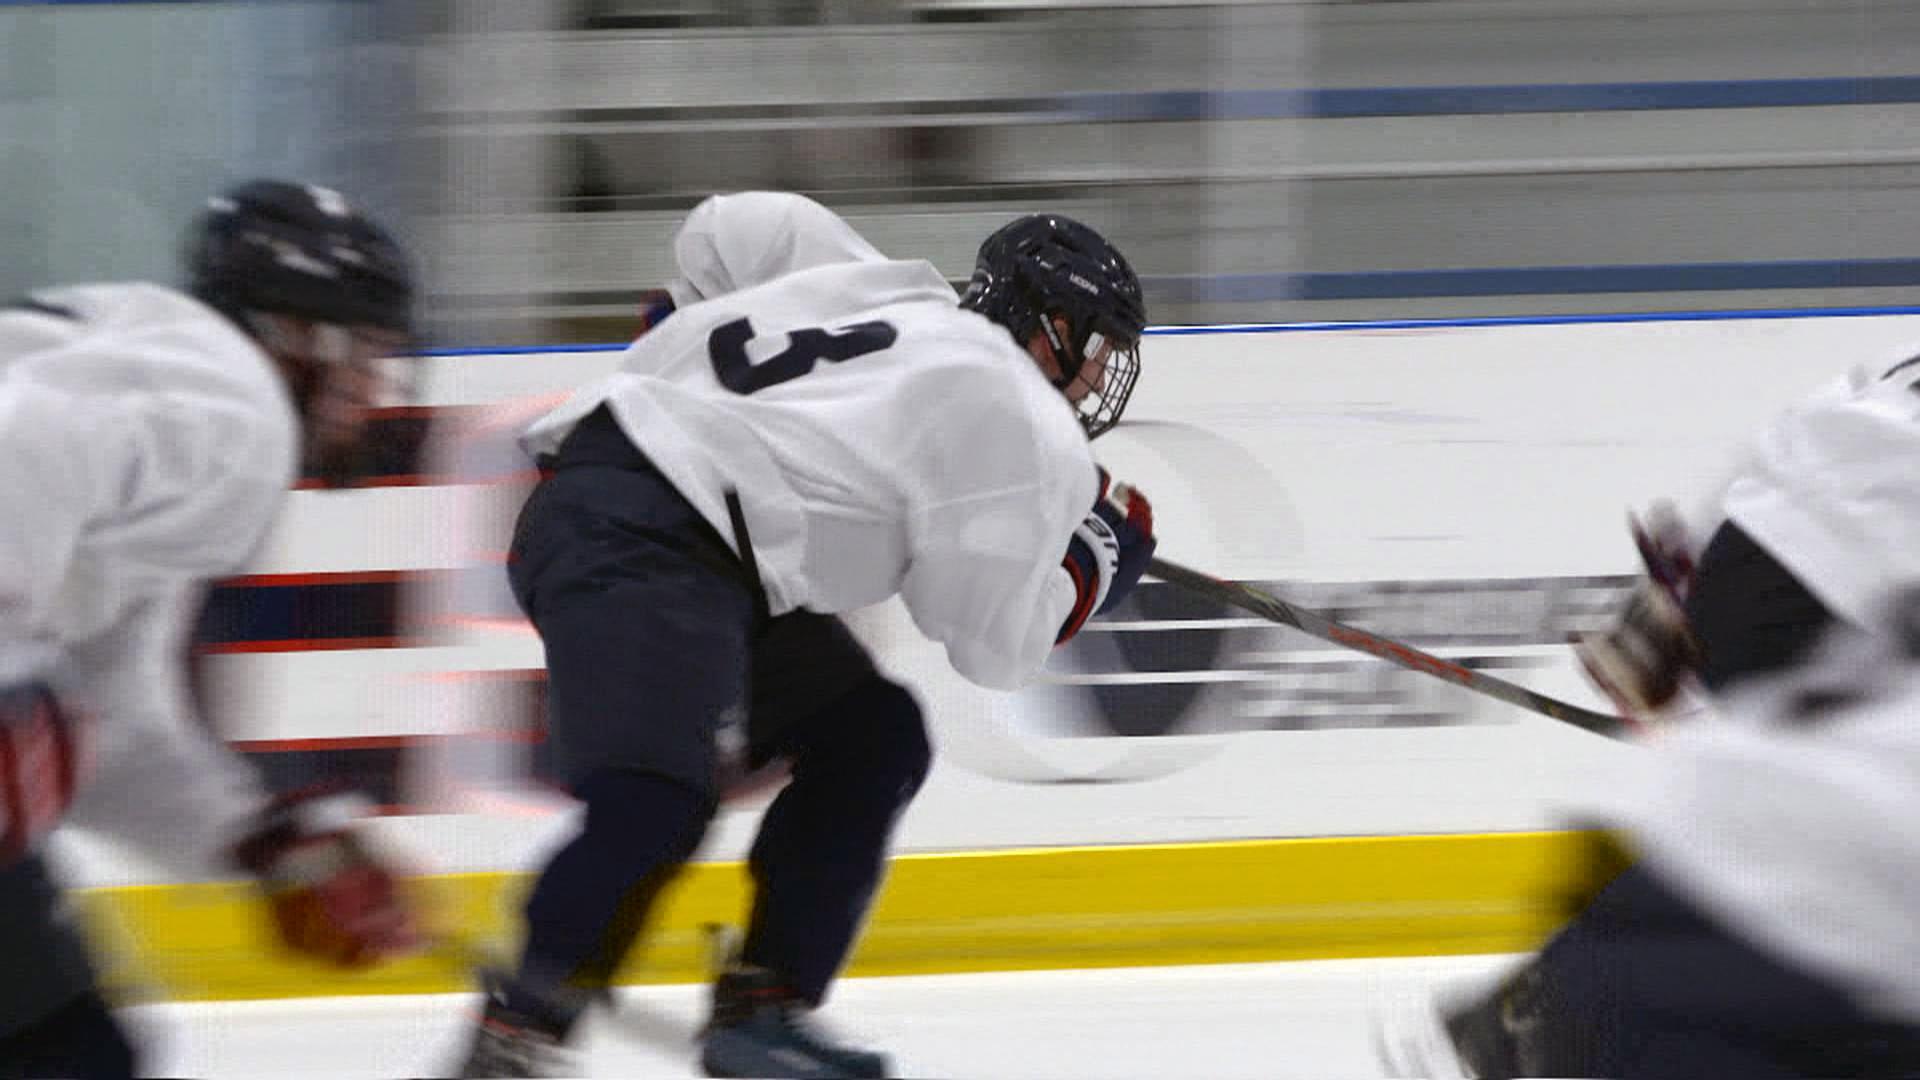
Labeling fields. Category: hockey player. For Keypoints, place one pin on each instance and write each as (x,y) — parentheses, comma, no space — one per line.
(1763,930)
(1766,929)
(149,437)
(813,428)
(1819,520)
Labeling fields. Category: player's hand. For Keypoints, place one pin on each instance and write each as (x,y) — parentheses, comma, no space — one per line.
(1643,658)
(1665,548)
(1109,552)
(39,766)
(330,897)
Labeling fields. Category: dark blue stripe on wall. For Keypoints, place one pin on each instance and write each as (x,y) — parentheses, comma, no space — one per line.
(240,614)
(379,773)
(1538,281)
(1470,100)
(376,773)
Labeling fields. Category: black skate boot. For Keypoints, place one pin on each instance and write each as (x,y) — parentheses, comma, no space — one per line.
(511,1043)
(760,1029)
(1504,1034)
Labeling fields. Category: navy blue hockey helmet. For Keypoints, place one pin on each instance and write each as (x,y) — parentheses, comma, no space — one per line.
(300,250)
(271,248)
(1045,265)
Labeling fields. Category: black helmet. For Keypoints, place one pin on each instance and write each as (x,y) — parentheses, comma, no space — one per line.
(301,250)
(1049,264)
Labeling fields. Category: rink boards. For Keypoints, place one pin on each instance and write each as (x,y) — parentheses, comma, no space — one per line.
(1126,905)
(1187,784)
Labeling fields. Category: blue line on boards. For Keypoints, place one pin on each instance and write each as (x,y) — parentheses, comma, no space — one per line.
(1360,324)
(1532,320)
(1540,280)
(1490,99)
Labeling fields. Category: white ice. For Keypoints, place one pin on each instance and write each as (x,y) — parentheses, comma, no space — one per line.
(1272,1021)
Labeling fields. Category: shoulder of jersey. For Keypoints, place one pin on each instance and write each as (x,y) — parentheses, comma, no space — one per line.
(144,306)
(166,327)
(954,336)
(985,359)
(146,297)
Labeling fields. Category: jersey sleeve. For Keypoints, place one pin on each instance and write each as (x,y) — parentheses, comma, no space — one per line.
(63,471)
(1826,489)
(112,496)
(733,242)
(208,482)
(152,776)
(986,578)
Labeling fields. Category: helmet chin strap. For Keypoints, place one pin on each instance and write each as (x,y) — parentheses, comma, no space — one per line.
(1062,355)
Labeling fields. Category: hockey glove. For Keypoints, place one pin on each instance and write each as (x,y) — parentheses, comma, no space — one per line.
(655,306)
(39,766)
(330,897)
(1641,660)
(1108,553)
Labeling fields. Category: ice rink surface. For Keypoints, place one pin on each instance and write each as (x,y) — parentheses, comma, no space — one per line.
(1273,1021)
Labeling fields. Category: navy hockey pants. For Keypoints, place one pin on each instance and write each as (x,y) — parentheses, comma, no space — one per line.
(1644,986)
(662,667)
(52,1021)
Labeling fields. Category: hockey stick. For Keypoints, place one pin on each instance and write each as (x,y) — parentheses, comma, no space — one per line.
(1311,622)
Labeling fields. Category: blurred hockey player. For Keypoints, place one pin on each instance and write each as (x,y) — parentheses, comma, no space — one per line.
(1763,930)
(1820,519)
(811,427)
(1766,930)
(149,437)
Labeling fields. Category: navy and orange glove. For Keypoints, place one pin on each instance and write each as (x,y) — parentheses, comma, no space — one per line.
(1108,553)
(329,896)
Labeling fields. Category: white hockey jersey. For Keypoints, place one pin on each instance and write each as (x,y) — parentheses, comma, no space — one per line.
(881,439)
(1794,826)
(1831,488)
(148,445)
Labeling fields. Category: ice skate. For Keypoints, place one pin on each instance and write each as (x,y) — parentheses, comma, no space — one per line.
(1473,1031)
(510,1043)
(760,1029)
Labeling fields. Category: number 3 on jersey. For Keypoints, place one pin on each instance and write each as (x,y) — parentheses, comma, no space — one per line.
(727,346)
